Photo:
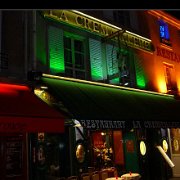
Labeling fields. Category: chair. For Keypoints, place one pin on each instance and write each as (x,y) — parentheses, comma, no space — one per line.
(61,178)
(103,174)
(72,178)
(85,176)
(91,169)
(95,175)
(55,178)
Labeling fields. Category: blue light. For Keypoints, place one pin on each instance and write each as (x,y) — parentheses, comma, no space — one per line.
(164,31)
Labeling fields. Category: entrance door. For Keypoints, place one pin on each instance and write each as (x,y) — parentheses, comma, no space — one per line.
(12,157)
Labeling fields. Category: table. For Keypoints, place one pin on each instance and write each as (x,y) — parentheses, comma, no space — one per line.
(114,178)
(133,176)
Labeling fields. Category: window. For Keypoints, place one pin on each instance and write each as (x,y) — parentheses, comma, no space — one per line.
(164,33)
(168,76)
(74,55)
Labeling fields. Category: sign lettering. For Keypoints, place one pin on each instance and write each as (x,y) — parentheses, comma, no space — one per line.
(168,54)
(112,124)
(96,26)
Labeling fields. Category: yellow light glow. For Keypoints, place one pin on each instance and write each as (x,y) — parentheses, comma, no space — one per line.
(113,26)
(103,134)
(162,87)
(166,17)
(165,145)
(142,148)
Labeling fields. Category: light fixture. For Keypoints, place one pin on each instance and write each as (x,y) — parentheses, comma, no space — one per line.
(103,133)
(142,148)
(165,145)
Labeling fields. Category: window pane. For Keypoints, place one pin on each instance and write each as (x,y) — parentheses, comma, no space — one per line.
(78,45)
(80,74)
(67,42)
(68,58)
(79,60)
(69,72)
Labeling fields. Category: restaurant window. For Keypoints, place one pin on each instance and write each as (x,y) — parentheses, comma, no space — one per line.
(164,33)
(74,56)
(102,146)
(66,53)
(175,140)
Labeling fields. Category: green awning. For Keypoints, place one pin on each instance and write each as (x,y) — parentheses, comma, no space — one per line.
(112,105)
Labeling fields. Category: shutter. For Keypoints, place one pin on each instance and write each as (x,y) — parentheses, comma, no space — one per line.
(96,59)
(56,50)
(140,77)
(112,63)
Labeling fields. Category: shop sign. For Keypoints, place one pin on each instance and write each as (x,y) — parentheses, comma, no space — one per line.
(102,124)
(111,124)
(155,124)
(165,53)
(97,26)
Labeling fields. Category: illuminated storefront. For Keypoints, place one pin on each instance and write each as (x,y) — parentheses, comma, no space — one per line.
(77,46)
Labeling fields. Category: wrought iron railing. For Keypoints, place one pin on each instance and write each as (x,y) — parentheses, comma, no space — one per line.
(3,61)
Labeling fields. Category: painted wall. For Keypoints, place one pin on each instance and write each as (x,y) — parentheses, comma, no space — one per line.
(163,53)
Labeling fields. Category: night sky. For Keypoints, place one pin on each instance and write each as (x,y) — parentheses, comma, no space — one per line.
(175,13)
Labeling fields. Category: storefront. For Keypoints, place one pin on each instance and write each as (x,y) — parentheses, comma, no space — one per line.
(75,45)
(22,114)
(117,120)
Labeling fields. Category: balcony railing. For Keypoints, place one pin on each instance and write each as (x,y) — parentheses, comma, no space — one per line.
(3,61)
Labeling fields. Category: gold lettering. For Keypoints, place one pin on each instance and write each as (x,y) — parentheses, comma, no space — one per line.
(159,52)
(63,16)
(79,20)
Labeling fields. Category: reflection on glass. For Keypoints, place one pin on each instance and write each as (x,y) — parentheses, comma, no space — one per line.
(80,153)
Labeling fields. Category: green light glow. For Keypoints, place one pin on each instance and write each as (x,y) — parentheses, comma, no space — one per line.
(41,44)
(56,50)
(115,81)
(111,59)
(96,59)
(140,78)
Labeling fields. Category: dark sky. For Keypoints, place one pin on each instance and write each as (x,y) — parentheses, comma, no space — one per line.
(175,13)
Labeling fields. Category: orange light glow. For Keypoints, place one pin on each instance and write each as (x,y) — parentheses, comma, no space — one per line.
(160,14)
(162,86)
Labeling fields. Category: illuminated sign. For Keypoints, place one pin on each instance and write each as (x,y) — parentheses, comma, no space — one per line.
(94,25)
(168,54)
(102,124)
(113,124)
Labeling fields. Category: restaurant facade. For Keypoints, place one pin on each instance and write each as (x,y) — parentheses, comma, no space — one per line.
(117,91)
(119,86)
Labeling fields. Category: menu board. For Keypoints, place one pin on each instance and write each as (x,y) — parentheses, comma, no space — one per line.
(13,156)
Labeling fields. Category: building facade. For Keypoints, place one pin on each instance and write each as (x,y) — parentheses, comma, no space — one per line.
(134,50)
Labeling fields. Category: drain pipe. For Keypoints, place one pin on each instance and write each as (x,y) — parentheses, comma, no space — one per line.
(25,42)
(34,63)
